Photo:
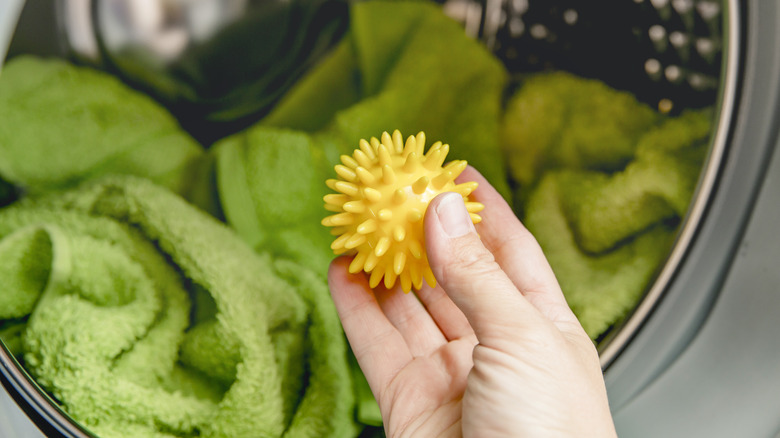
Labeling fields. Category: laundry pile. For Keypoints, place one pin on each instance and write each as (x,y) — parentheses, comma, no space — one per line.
(155,286)
(603,182)
(144,316)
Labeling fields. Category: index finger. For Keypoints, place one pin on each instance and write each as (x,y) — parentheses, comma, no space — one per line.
(378,346)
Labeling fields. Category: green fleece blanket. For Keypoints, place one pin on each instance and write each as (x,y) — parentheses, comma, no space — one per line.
(603,183)
(143,316)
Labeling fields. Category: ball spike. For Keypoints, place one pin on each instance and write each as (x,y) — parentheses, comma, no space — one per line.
(374,143)
(375,278)
(390,277)
(434,148)
(368,150)
(420,185)
(456,167)
(398,141)
(338,219)
(382,246)
(440,180)
(384,155)
(400,196)
(349,161)
(474,207)
(385,214)
(366,177)
(362,159)
(336,199)
(409,147)
(345,172)
(371,262)
(354,206)
(387,140)
(399,261)
(388,175)
(416,274)
(337,231)
(333,208)
(340,241)
(357,263)
(475,218)
(346,188)
(406,281)
(372,195)
(465,189)
(429,277)
(411,163)
(414,215)
(399,233)
(416,249)
(355,241)
(445,150)
(432,159)
(368,226)
(420,140)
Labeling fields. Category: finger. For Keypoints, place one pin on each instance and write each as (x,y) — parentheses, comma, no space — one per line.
(517,251)
(410,318)
(469,274)
(450,319)
(379,348)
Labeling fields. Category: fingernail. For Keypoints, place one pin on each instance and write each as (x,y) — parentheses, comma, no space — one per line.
(453,217)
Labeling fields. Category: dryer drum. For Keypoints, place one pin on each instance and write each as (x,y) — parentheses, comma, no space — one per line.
(672,55)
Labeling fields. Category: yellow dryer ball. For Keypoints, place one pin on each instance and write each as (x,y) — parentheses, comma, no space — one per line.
(384,188)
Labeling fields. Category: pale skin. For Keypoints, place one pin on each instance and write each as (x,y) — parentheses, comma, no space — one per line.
(492,351)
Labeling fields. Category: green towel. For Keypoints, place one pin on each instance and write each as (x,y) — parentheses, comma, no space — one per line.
(143,316)
(606,222)
(403,65)
(558,120)
(600,288)
(63,124)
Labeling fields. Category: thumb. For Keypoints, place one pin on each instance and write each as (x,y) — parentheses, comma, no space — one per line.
(469,274)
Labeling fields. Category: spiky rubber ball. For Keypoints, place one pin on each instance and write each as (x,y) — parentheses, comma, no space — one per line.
(384,188)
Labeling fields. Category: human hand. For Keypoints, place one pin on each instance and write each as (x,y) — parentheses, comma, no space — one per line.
(493,350)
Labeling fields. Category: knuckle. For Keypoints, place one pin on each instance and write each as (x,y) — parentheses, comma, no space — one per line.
(472,260)
(521,239)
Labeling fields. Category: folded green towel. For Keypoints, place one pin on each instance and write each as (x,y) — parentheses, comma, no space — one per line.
(64,124)
(143,316)
(603,183)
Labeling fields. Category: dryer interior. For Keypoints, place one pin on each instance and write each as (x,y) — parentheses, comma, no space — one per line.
(667,60)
